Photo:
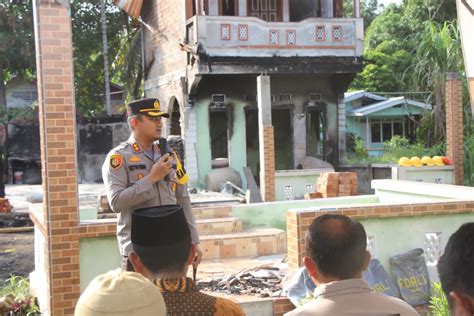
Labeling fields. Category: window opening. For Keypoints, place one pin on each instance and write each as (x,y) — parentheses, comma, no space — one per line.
(219,132)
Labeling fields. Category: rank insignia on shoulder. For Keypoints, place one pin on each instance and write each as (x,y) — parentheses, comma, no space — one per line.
(136,147)
(135,159)
(116,161)
(140,176)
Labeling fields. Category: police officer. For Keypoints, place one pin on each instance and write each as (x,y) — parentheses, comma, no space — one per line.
(138,173)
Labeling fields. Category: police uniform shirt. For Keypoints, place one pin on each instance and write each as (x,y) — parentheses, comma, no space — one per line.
(125,175)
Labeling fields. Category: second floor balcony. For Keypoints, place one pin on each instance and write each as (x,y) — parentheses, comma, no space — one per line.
(241,36)
(274,28)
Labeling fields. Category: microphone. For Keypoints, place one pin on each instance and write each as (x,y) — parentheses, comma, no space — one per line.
(164,151)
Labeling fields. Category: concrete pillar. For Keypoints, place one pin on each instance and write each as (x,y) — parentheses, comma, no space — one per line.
(356,7)
(286,10)
(454,125)
(57,221)
(341,126)
(242,7)
(266,139)
(327,8)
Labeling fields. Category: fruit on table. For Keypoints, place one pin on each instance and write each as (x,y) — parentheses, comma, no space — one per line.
(416,161)
(426,160)
(446,160)
(404,162)
(438,161)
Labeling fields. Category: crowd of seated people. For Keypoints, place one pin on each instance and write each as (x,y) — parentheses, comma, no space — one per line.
(336,258)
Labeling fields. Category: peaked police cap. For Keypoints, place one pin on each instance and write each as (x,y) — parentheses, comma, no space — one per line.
(150,107)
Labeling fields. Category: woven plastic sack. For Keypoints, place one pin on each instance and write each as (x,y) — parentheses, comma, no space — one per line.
(411,276)
(379,280)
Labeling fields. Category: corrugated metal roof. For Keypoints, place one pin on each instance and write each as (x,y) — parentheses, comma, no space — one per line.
(131,7)
(355,95)
(379,106)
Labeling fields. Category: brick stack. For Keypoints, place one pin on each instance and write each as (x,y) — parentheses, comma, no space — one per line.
(313,195)
(334,184)
(328,184)
(347,183)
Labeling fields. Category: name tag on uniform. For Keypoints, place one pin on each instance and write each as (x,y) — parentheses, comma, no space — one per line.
(136,167)
(135,159)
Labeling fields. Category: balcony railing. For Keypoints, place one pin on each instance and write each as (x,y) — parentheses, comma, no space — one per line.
(252,37)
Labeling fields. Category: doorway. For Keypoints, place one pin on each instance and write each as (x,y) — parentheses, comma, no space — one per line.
(219,121)
(175,128)
(316,131)
(282,121)
(267,10)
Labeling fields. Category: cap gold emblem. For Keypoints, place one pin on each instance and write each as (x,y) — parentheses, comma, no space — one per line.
(156,105)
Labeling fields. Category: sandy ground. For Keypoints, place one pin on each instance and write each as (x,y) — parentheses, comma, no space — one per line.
(16,255)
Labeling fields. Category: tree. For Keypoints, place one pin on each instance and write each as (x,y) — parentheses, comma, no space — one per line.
(17,53)
(439,52)
(129,64)
(105,53)
(89,53)
(387,53)
(17,49)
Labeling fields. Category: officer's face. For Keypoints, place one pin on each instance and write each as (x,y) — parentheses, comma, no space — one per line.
(149,127)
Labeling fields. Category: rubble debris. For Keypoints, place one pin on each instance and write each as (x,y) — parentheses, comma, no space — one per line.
(15,219)
(263,281)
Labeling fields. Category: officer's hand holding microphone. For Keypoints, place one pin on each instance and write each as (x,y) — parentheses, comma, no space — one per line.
(161,168)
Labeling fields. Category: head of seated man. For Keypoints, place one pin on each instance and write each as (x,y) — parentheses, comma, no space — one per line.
(161,242)
(456,271)
(336,249)
(336,257)
(162,252)
(120,293)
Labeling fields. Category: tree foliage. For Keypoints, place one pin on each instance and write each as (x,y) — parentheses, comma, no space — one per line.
(410,48)
(17,51)
(88,52)
(438,52)
(17,47)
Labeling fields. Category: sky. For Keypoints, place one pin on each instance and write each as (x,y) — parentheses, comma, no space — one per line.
(387,2)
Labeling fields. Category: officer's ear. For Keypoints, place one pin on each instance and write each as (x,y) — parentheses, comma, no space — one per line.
(133,122)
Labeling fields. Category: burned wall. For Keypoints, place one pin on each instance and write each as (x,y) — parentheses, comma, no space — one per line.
(23,146)
(95,141)
(290,94)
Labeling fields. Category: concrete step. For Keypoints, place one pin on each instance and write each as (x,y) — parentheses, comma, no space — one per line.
(211,212)
(223,225)
(263,241)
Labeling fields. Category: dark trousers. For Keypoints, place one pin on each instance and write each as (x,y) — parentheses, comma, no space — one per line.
(126,265)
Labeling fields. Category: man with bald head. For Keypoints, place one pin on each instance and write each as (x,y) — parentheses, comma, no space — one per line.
(336,257)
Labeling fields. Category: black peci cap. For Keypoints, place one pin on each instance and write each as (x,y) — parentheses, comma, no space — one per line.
(159,226)
(150,107)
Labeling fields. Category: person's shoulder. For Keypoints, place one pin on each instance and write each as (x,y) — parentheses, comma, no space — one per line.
(121,149)
(116,156)
(403,307)
(227,307)
(311,308)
